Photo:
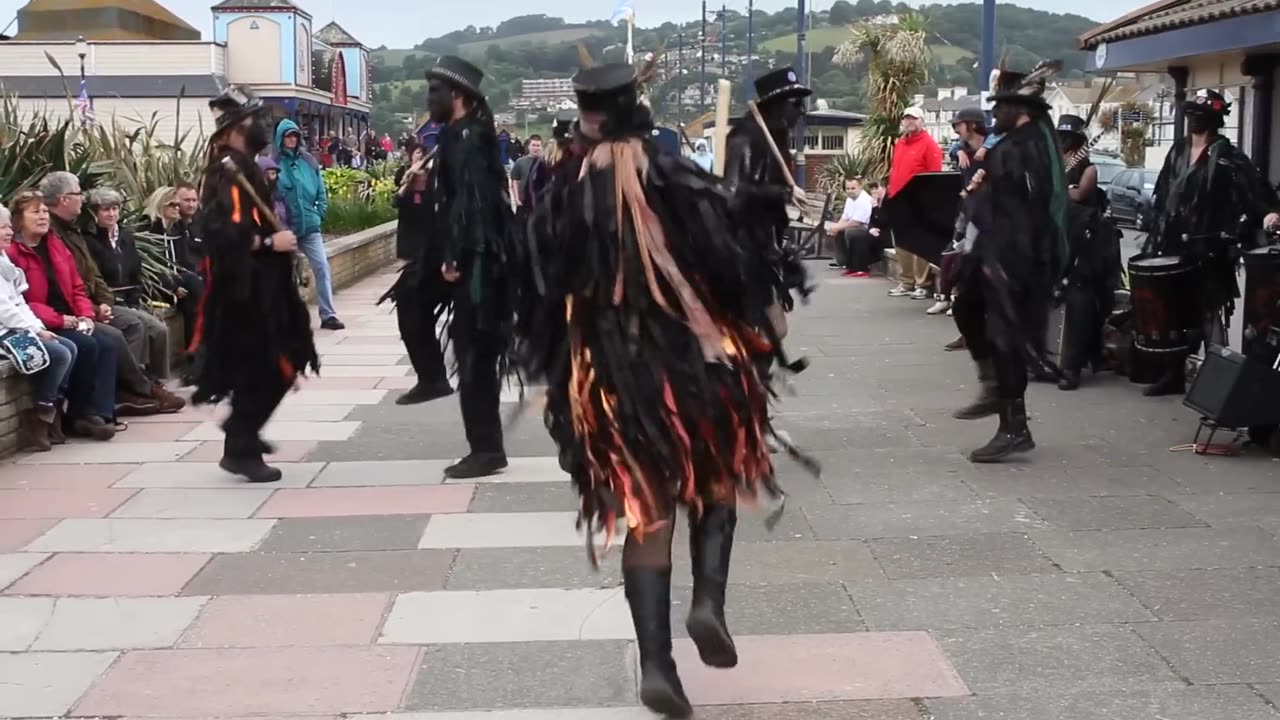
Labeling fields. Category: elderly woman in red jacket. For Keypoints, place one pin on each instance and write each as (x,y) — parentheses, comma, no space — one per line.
(57,296)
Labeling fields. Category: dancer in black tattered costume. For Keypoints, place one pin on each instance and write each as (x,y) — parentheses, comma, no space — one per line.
(253,326)
(761,196)
(641,314)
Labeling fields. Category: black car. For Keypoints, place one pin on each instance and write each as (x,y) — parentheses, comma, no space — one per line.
(1129,197)
(1109,166)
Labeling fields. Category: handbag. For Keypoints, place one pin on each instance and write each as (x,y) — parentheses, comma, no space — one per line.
(25,350)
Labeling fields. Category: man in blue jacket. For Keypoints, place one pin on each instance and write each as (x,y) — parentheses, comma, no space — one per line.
(302,188)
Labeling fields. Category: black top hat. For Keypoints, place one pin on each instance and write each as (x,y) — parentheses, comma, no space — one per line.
(1023,88)
(458,73)
(605,87)
(1207,101)
(970,115)
(781,83)
(1071,124)
(234,104)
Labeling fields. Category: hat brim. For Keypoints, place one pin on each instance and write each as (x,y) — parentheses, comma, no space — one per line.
(455,80)
(785,92)
(234,117)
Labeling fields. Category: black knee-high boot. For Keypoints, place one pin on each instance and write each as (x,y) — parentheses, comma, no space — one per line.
(710,545)
(648,593)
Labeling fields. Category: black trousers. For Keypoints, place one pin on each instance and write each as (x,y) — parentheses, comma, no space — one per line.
(971,314)
(858,249)
(1086,307)
(189,306)
(478,347)
(415,316)
(251,408)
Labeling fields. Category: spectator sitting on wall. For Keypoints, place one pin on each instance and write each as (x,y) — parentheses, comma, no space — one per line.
(856,248)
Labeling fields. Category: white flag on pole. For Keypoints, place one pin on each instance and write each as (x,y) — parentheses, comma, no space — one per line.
(624,10)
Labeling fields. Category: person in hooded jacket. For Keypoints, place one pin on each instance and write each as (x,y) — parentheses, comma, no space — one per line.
(302,187)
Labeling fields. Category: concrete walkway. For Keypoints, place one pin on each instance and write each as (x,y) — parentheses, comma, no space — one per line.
(1104,578)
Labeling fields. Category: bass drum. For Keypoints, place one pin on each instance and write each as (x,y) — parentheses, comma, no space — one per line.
(1261,300)
(1165,296)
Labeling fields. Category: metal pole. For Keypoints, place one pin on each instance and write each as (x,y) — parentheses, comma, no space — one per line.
(680,81)
(702,52)
(802,42)
(750,89)
(988,43)
(724,41)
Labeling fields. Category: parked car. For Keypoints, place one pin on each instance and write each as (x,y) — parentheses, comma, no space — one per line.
(1129,197)
(1109,166)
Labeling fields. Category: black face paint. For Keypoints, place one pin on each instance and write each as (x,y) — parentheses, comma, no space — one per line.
(257,136)
(1200,123)
(1006,117)
(792,111)
(439,101)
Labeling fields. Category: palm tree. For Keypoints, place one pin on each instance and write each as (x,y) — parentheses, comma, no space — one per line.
(897,52)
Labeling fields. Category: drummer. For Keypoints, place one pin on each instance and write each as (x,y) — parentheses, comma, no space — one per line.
(1207,189)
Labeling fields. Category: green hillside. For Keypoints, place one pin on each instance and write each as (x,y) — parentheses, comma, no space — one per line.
(824,38)
(546,37)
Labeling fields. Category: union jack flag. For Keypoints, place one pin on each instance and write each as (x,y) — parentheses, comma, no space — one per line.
(84,106)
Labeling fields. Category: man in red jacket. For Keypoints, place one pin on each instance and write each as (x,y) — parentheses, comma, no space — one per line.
(915,152)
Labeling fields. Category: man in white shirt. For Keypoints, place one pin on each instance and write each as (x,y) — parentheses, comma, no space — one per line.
(855,245)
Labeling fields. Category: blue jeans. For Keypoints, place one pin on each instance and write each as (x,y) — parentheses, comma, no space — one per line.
(313,247)
(92,392)
(52,382)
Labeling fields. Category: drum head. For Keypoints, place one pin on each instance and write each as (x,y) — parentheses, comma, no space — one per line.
(1163,262)
(1263,255)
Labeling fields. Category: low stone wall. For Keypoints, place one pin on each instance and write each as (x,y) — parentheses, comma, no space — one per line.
(351,258)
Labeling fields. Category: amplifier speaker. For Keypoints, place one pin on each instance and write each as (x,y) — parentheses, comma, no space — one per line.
(1235,391)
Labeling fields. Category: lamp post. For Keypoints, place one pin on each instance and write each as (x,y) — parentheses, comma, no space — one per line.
(988,43)
(702,52)
(680,82)
(82,50)
(751,49)
(802,43)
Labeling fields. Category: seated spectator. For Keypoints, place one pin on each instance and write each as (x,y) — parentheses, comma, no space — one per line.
(186,287)
(42,423)
(856,248)
(56,295)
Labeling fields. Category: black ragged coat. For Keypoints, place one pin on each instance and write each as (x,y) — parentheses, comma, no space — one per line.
(253,324)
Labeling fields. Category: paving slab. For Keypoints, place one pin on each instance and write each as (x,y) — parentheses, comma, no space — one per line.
(806,668)
(322,573)
(847,710)
(777,609)
(533,529)
(15,565)
(1186,548)
(21,620)
(17,534)
(495,676)
(239,502)
(524,497)
(1209,652)
(40,504)
(117,623)
(364,360)
(501,616)
(386,472)
(60,477)
(159,536)
(286,681)
(847,522)
(282,430)
(110,575)
(294,451)
(533,568)
(1168,702)
(1023,660)
(336,370)
(287,621)
(1112,513)
(1035,480)
(1227,594)
(825,561)
(381,501)
(110,453)
(960,556)
(47,684)
(595,713)
(156,432)
(310,397)
(312,413)
(344,534)
(341,383)
(198,475)
(995,601)
(1234,509)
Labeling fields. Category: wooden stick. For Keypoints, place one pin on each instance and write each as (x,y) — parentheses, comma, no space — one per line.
(777,154)
(230,166)
(724,95)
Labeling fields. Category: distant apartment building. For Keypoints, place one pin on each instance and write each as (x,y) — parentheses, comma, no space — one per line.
(545,94)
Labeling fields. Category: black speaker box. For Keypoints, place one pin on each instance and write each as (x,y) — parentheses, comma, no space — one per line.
(1235,391)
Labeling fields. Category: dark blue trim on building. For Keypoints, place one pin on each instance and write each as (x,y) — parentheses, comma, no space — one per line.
(1239,33)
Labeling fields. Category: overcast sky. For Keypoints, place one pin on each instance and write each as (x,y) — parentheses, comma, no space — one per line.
(397,23)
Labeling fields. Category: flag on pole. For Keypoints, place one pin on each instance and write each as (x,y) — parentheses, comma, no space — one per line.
(624,10)
(84,107)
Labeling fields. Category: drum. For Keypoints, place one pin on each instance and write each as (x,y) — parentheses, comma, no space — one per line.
(1261,294)
(1165,295)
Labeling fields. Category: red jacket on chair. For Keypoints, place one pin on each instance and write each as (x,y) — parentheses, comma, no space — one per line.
(913,154)
(64,273)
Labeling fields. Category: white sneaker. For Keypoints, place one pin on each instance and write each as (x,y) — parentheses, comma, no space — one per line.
(939,307)
(900,291)
(920,294)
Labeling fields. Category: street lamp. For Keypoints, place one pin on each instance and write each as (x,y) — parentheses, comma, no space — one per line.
(802,43)
(82,50)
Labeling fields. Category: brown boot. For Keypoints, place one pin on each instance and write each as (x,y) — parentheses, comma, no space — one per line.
(35,427)
(169,403)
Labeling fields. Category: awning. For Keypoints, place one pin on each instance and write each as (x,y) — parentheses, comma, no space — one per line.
(1165,32)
